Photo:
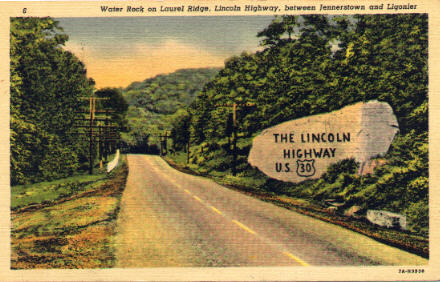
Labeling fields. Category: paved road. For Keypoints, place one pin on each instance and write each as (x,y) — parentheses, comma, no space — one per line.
(169,218)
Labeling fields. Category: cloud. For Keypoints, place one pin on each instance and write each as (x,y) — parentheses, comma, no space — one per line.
(114,67)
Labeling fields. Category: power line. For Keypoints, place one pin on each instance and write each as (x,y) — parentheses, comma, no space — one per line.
(234,130)
(104,135)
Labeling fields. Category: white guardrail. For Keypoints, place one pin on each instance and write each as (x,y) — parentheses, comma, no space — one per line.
(111,165)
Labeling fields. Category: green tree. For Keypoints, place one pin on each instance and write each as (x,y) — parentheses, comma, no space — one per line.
(46,82)
(180,132)
(154,102)
(115,103)
(385,58)
(280,31)
(314,64)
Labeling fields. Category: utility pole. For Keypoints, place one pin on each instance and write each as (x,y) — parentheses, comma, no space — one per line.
(106,132)
(234,130)
(187,151)
(163,143)
(92,117)
(91,120)
(100,145)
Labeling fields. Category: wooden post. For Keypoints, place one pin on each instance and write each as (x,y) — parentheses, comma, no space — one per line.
(234,131)
(101,131)
(100,145)
(234,136)
(163,143)
(187,152)
(234,114)
(165,149)
(106,131)
(92,116)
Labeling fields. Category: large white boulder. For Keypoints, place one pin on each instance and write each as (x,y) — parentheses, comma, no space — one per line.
(303,149)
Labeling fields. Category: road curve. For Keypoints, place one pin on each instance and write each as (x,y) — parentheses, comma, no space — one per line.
(169,218)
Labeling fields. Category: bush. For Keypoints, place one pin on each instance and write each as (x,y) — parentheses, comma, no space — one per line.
(58,162)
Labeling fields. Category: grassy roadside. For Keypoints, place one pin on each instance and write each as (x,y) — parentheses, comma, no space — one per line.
(67,223)
(403,240)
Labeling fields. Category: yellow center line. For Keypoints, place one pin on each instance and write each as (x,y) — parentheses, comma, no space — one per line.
(295,258)
(216,210)
(177,184)
(197,198)
(244,227)
(241,225)
(174,182)
(187,192)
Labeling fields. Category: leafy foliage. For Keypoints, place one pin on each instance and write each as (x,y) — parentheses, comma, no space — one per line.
(180,123)
(315,64)
(154,103)
(116,104)
(46,82)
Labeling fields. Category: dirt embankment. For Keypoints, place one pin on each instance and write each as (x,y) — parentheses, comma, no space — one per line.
(70,232)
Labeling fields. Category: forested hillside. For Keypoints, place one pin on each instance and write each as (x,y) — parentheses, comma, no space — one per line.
(50,107)
(315,64)
(46,83)
(154,104)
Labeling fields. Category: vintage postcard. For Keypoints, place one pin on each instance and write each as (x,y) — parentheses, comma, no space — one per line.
(220,140)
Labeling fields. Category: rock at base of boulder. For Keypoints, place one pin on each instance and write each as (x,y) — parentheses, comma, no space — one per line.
(387,219)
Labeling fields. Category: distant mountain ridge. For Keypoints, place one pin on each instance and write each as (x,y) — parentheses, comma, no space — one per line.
(153,101)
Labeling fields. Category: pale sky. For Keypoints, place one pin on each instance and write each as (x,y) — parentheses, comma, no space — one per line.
(118,51)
